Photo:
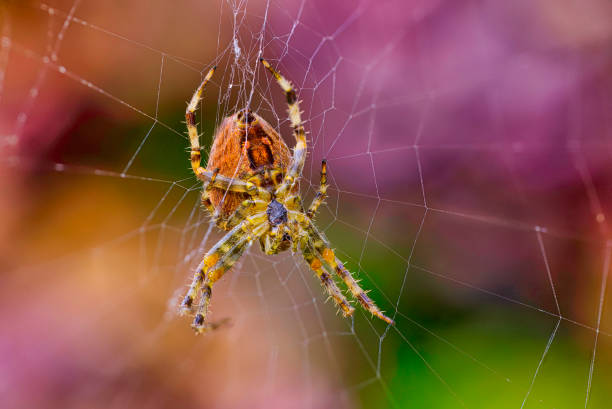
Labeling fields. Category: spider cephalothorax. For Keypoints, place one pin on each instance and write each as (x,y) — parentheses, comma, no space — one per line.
(252,191)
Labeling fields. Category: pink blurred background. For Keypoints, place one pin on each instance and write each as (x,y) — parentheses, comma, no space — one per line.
(469,147)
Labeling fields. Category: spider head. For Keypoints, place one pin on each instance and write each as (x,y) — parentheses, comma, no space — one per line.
(277,213)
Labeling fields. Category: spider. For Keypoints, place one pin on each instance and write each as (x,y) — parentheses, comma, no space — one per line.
(252,192)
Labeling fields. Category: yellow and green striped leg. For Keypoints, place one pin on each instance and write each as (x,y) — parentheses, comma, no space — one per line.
(324,250)
(225,183)
(321,194)
(194,137)
(254,186)
(239,214)
(276,176)
(214,254)
(294,204)
(212,178)
(273,240)
(206,195)
(317,265)
(299,151)
(358,293)
(215,266)
(194,140)
(244,209)
(218,260)
(214,273)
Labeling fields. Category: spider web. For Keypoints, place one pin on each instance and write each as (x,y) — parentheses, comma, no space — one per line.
(467,150)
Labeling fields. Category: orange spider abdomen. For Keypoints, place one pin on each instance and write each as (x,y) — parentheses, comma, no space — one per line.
(240,149)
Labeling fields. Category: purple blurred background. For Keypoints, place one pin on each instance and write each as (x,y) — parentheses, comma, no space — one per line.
(468,144)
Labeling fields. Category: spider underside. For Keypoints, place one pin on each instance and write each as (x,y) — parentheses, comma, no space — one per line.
(252,191)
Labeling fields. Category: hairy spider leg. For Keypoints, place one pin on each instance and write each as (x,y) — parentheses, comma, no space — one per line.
(233,250)
(238,215)
(299,151)
(223,182)
(219,259)
(275,175)
(213,178)
(206,196)
(216,253)
(194,137)
(317,265)
(323,248)
(273,240)
(361,296)
(242,211)
(321,194)
(214,272)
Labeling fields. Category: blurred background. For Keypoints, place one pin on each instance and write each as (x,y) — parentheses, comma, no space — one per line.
(468,145)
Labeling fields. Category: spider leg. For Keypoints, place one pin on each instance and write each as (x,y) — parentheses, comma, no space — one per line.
(218,260)
(317,265)
(273,240)
(204,175)
(276,176)
(299,151)
(216,253)
(324,250)
(194,138)
(321,194)
(354,287)
(236,217)
(255,183)
(241,213)
(251,186)
(215,272)
(206,195)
